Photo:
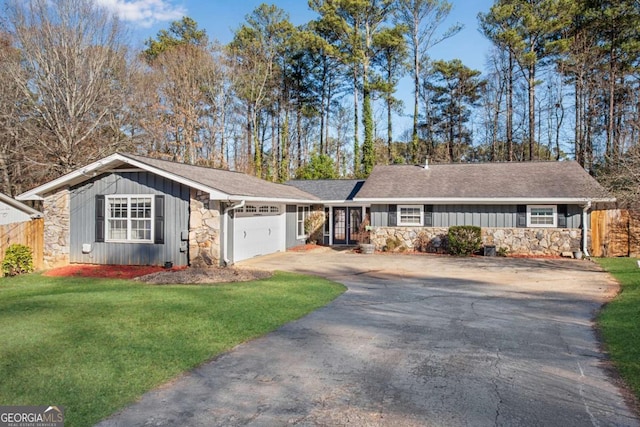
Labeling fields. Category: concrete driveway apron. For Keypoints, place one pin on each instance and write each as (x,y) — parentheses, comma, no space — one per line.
(415,341)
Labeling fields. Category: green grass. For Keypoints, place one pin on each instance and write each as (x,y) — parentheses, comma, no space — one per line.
(619,320)
(95,345)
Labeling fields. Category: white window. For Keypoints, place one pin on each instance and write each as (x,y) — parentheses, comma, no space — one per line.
(129,218)
(303,214)
(542,216)
(410,215)
(258,210)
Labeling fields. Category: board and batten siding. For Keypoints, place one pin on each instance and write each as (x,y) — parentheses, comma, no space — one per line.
(291,225)
(83,228)
(495,216)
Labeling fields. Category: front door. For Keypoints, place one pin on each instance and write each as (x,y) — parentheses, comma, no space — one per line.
(346,224)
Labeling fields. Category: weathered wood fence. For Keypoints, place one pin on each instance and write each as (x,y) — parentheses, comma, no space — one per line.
(29,233)
(615,232)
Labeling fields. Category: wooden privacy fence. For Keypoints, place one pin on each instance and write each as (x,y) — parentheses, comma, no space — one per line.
(29,233)
(615,233)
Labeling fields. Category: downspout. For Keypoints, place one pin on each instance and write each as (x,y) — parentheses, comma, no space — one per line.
(225,230)
(585,230)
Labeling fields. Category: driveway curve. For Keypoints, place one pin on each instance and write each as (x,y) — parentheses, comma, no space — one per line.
(415,341)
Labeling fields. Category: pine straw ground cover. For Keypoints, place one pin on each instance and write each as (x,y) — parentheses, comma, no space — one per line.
(96,345)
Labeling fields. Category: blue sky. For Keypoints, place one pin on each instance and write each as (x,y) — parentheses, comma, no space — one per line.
(221,17)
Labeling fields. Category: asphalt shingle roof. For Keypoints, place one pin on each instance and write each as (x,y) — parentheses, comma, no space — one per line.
(330,189)
(482,180)
(228,182)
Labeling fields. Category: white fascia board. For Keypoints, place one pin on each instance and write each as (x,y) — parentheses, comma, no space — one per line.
(106,164)
(33,213)
(64,180)
(484,201)
(239,197)
(348,203)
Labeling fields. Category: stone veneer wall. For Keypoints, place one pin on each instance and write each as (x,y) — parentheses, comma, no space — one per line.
(57,225)
(407,236)
(534,241)
(204,230)
(527,241)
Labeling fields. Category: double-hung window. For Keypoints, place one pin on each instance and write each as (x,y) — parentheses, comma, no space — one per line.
(129,218)
(542,216)
(410,215)
(303,214)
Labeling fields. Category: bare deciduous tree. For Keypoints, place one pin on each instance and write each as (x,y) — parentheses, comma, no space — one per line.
(71,72)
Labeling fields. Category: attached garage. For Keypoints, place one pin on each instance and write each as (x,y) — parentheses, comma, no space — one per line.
(129,209)
(258,229)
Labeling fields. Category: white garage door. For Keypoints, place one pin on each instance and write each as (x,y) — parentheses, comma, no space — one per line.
(258,230)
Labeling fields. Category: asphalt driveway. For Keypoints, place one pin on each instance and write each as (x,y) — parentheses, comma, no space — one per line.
(415,341)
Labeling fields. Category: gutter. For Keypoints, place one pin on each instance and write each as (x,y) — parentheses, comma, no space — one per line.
(225,230)
(585,230)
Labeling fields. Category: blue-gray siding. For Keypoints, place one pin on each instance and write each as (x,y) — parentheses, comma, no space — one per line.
(478,215)
(292,227)
(176,220)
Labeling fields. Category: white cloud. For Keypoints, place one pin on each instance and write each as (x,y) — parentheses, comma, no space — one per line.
(144,12)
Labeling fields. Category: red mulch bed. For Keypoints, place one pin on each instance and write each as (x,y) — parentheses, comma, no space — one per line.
(304,248)
(105,271)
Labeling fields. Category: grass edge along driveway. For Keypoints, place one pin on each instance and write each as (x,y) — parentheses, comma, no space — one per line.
(619,320)
(96,345)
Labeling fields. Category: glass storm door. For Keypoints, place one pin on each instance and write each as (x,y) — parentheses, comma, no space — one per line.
(355,220)
(339,226)
(346,224)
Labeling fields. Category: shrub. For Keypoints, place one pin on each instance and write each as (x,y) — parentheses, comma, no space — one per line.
(433,244)
(314,227)
(392,244)
(17,260)
(502,251)
(464,240)
(422,242)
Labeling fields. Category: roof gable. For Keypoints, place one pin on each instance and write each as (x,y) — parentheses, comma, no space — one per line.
(483,182)
(220,184)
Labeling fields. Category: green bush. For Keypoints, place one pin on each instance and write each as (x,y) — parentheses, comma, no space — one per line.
(17,260)
(464,240)
(392,244)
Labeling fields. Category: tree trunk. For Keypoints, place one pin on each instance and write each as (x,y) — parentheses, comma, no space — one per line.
(510,107)
(299,139)
(250,120)
(612,101)
(416,99)
(578,143)
(532,111)
(356,144)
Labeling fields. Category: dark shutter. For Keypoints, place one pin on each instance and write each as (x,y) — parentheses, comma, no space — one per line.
(393,215)
(159,220)
(100,214)
(428,215)
(563,213)
(521,216)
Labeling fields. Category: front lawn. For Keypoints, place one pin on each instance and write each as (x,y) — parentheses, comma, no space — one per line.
(619,320)
(95,345)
